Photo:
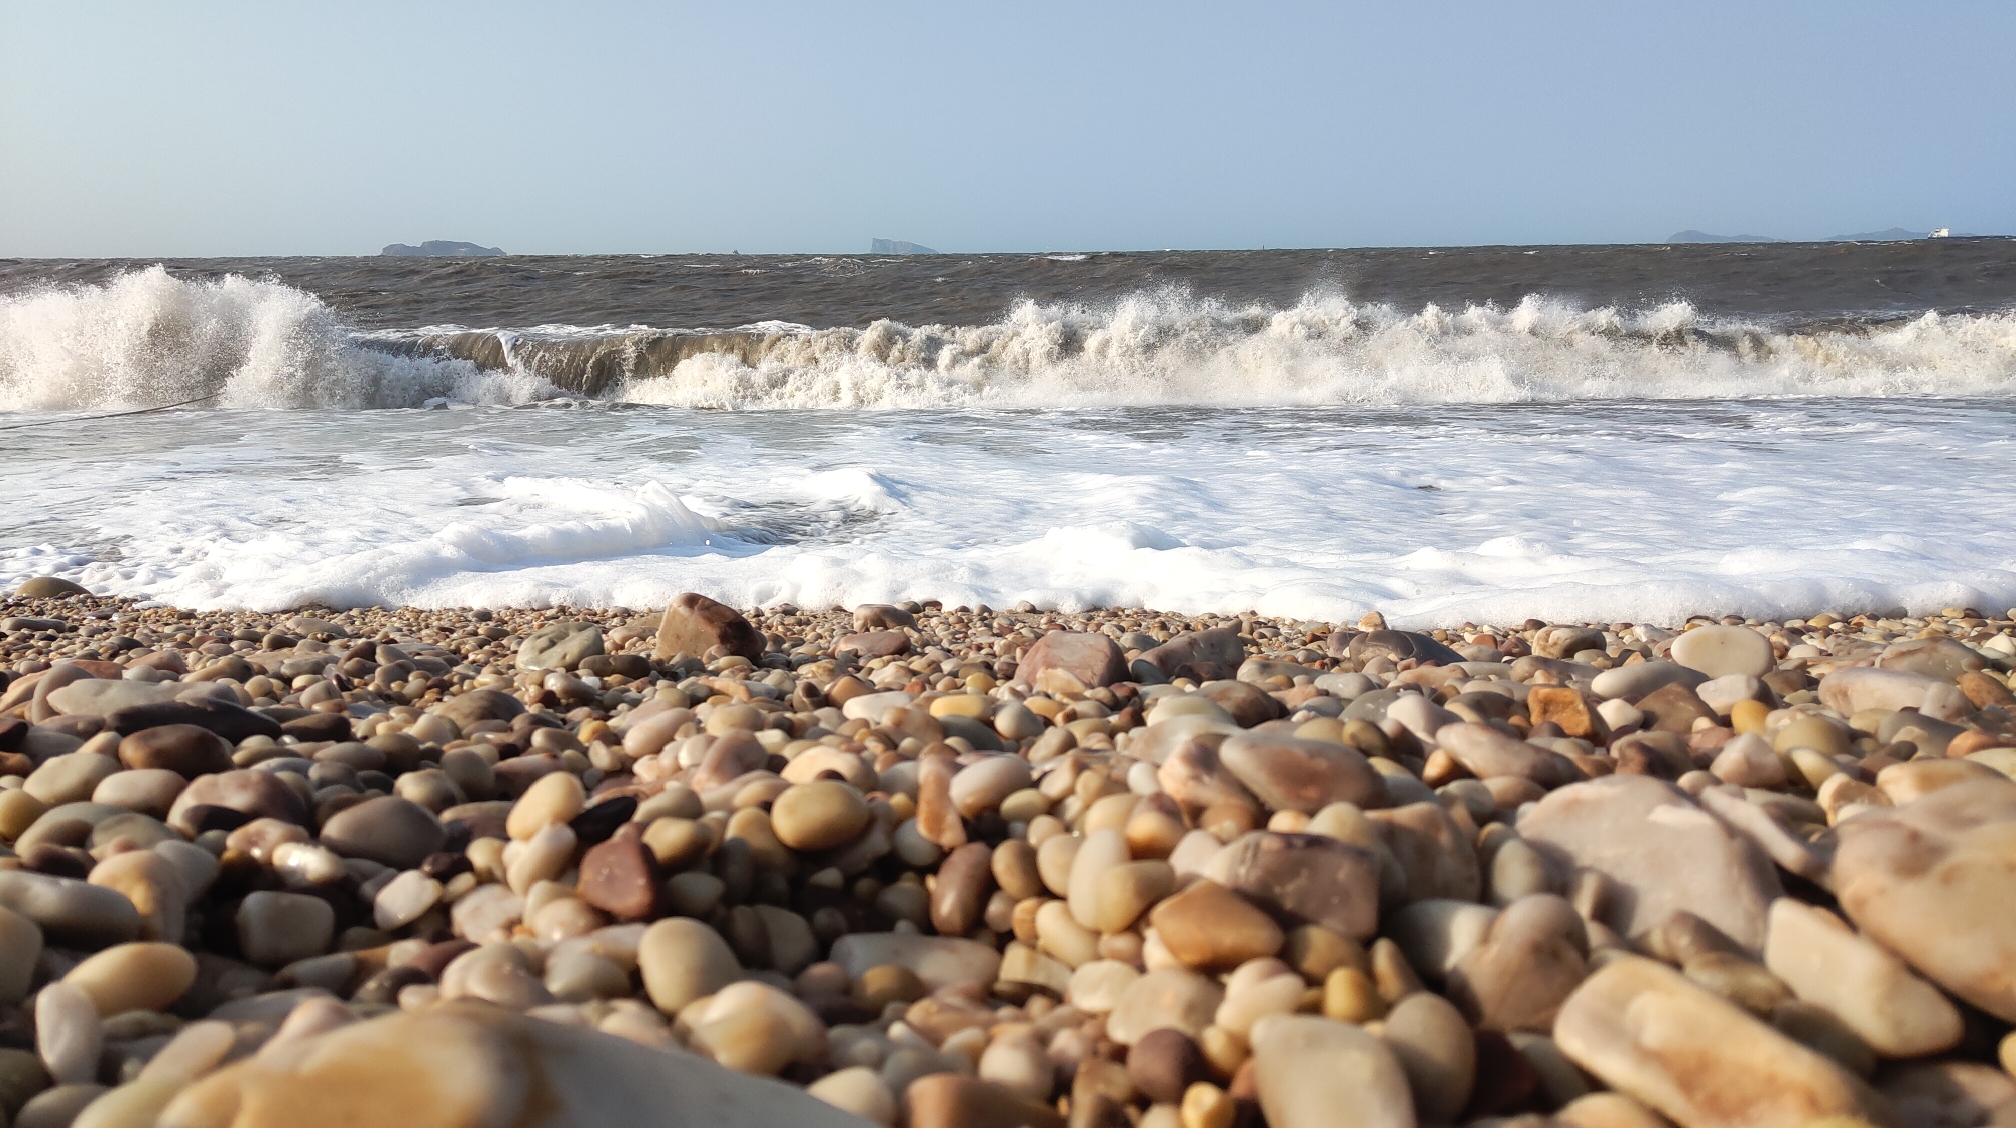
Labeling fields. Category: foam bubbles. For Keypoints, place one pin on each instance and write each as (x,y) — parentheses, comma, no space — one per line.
(148,339)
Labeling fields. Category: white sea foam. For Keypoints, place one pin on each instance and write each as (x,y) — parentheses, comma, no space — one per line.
(1435,515)
(1171,348)
(148,338)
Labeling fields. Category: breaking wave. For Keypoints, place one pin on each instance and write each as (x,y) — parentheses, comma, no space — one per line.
(148,339)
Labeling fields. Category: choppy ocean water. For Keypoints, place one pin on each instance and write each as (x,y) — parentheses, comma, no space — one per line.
(1593,433)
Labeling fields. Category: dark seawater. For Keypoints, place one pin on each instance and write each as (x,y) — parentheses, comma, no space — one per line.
(1778,283)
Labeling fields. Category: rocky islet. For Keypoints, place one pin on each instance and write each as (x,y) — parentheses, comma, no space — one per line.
(936,866)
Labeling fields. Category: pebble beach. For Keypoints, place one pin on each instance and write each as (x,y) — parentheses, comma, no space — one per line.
(909,864)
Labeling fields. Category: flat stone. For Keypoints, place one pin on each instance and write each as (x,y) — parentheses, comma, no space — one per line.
(1091,659)
(138,976)
(1177,1000)
(1316,1073)
(255,794)
(1200,656)
(980,786)
(1208,927)
(69,778)
(949,1100)
(1871,991)
(1940,658)
(873,644)
(1719,651)
(1931,880)
(1488,753)
(471,1064)
(1665,854)
(95,697)
(1632,682)
(388,830)
(50,587)
(694,624)
(1674,707)
(1532,958)
(559,646)
(465,709)
(1646,1031)
(1288,774)
(227,719)
(1399,646)
(1304,879)
(69,912)
(1857,688)
(187,750)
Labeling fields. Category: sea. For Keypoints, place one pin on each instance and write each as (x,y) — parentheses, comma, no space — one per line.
(1444,435)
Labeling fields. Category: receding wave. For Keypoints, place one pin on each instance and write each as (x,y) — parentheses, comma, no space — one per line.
(148,338)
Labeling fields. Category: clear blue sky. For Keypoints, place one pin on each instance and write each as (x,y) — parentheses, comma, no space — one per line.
(198,128)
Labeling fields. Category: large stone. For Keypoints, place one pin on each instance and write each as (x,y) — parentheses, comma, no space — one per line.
(1850,691)
(275,929)
(69,778)
(95,697)
(1436,1048)
(938,961)
(68,911)
(1868,989)
(1489,754)
(560,646)
(1934,880)
(1288,774)
(1647,1031)
(1434,853)
(694,624)
(1528,963)
(1207,927)
(254,794)
(460,1065)
(950,1100)
(139,976)
(1091,659)
(682,960)
(1200,656)
(1940,658)
(476,705)
(1632,682)
(227,719)
(1304,879)
(50,587)
(1397,647)
(1316,1073)
(187,750)
(388,830)
(1719,651)
(1662,853)
(1170,999)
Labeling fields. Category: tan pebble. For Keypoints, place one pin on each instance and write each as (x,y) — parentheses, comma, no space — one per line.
(1207,1106)
(858,1090)
(138,976)
(1124,892)
(1349,995)
(555,797)
(821,815)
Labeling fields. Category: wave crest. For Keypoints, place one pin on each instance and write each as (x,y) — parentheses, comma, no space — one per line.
(148,339)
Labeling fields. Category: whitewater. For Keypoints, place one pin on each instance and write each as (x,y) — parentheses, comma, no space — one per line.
(1316,458)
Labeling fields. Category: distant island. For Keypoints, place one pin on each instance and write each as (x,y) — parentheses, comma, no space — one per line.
(441,248)
(1893,235)
(897,247)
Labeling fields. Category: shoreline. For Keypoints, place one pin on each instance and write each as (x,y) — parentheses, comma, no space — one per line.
(944,867)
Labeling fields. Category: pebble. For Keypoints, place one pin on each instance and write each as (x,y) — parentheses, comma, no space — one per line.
(820,815)
(1313,1072)
(138,976)
(1723,651)
(683,960)
(388,830)
(68,1035)
(1435,1048)
(1208,927)
(69,911)
(276,929)
(1646,1031)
